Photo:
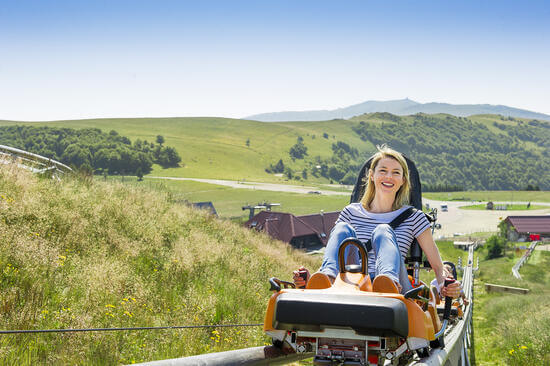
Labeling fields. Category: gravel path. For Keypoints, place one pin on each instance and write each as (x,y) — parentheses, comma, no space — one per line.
(261,186)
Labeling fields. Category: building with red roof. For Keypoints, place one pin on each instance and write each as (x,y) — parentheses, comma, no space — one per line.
(308,231)
(526,227)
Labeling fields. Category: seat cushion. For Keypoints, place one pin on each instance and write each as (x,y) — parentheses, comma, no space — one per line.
(367,315)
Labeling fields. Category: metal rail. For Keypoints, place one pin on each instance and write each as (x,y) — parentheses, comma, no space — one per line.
(523,259)
(33,162)
(268,355)
(458,340)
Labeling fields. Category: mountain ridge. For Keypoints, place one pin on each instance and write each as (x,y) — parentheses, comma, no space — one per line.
(401,107)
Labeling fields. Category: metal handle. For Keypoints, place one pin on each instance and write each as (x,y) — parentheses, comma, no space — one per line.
(276,284)
(448,300)
(447,310)
(341,252)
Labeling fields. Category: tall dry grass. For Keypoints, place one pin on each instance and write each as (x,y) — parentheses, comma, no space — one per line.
(83,254)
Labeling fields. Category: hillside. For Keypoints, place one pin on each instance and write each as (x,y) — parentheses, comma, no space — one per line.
(403,107)
(70,257)
(86,254)
(480,152)
(513,329)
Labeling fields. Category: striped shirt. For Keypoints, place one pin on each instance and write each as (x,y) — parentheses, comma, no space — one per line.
(365,222)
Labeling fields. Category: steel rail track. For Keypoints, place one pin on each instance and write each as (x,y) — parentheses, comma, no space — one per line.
(34,162)
(459,338)
(523,259)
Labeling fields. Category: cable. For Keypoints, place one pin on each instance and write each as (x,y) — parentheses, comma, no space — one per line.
(119,329)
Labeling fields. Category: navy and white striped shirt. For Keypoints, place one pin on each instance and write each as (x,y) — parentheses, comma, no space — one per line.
(364,223)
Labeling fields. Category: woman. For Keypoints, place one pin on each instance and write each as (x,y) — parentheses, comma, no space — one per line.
(385,198)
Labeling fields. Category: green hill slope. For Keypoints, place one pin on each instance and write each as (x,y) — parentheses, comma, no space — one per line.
(513,329)
(216,147)
(86,254)
(478,152)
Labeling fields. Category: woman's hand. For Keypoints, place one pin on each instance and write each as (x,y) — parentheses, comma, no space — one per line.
(452,290)
(299,275)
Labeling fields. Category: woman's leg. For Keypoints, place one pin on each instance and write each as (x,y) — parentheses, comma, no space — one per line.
(388,257)
(339,232)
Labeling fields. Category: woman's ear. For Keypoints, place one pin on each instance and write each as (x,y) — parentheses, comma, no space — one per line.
(370,175)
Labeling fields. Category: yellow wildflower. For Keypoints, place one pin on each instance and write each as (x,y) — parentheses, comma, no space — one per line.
(110,306)
(523,347)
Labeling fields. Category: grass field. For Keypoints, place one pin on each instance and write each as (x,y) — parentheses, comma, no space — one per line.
(213,147)
(216,147)
(513,207)
(495,196)
(229,201)
(85,253)
(513,329)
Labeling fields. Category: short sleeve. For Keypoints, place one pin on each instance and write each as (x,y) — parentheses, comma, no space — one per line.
(344,216)
(420,223)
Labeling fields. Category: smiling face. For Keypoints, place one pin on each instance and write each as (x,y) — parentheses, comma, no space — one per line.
(391,168)
(387,176)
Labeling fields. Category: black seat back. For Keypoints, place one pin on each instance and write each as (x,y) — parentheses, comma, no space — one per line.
(415,199)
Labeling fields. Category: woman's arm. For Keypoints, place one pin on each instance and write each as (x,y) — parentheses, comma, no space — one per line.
(427,244)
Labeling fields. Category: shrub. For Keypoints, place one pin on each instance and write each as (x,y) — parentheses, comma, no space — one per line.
(495,246)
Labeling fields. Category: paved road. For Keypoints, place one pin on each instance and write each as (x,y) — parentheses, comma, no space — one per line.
(261,186)
(470,221)
(453,221)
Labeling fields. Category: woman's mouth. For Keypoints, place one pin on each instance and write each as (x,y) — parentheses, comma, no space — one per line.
(386,184)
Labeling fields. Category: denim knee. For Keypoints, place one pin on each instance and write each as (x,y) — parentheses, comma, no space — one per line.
(343,227)
(382,229)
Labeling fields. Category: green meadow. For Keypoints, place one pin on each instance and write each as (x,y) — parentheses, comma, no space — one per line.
(513,329)
(235,149)
(229,201)
(216,147)
(495,196)
(509,207)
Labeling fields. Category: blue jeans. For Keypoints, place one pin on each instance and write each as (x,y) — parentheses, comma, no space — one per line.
(386,251)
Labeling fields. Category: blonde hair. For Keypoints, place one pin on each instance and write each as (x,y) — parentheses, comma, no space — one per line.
(402,195)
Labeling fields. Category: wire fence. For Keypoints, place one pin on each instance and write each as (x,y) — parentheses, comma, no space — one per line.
(23,331)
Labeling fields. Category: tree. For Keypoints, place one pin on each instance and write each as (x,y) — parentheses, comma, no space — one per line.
(248,142)
(139,174)
(168,157)
(279,167)
(495,246)
(349,178)
(304,173)
(298,150)
(160,140)
(289,173)
(335,173)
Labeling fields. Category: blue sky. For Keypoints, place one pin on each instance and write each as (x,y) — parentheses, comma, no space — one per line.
(77,59)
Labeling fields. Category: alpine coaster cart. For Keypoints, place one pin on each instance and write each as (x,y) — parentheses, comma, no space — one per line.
(356,321)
